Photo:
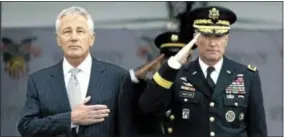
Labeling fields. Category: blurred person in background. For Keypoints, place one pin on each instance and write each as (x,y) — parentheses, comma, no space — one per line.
(169,43)
(80,95)
(213,95)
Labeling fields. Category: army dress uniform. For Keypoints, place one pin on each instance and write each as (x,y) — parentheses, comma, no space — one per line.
(169,43)
(229,106)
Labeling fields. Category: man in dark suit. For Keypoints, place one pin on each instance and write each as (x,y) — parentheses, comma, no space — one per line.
(169,44)
(80,95)
(212,96)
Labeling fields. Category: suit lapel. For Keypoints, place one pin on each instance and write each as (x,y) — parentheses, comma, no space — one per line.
(225,78)
(97,80)
(57,85)
(196,77)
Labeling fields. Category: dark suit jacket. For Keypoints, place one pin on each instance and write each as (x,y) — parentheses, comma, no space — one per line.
(47,110)
(231,109)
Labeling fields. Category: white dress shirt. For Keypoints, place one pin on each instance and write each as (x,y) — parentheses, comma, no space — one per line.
(173,63)
(133,77)
(83,76)
(215,74)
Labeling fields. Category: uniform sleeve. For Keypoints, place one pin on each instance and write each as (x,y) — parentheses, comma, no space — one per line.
(158,93)
(256,120)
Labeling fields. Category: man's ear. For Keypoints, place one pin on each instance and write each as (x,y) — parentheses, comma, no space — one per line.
(58,40)
(227,38)
(92,39)
(194,34)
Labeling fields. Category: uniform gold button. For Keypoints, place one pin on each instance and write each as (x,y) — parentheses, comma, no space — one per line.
(212,134)
(172,117)
(236,104)
(170,130)
(212,104)
(212,119)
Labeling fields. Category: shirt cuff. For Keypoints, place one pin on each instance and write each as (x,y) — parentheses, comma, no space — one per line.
(73,126)
(173,63)
(133,77)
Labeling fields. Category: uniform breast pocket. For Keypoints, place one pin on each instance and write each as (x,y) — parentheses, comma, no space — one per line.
(234,109)
(189,105)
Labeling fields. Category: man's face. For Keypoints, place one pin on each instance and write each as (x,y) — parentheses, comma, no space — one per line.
(212,48)
(74,36)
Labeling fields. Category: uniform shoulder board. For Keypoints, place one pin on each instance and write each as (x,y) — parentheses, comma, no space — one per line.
(251,67)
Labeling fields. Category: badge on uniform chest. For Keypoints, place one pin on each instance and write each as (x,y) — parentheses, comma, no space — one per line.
(230,116)
(230,96)
(236,88)
(186,90)
(187,86)
(185,113)
(186,94)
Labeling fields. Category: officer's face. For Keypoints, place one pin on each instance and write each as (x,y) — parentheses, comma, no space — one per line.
(212,48)
(74,36)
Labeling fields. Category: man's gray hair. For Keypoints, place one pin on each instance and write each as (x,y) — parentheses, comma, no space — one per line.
(75,11)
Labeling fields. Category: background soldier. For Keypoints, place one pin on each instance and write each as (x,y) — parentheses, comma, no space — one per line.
(169,44)
(213,95)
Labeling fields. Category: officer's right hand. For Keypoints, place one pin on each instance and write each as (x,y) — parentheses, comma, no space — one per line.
(186,50)
(83,114)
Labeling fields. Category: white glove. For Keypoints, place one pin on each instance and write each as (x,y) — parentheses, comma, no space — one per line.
(184,52)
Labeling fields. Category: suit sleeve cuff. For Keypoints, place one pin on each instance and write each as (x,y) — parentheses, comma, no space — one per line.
(72,125)
(133,77)
(173,63)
